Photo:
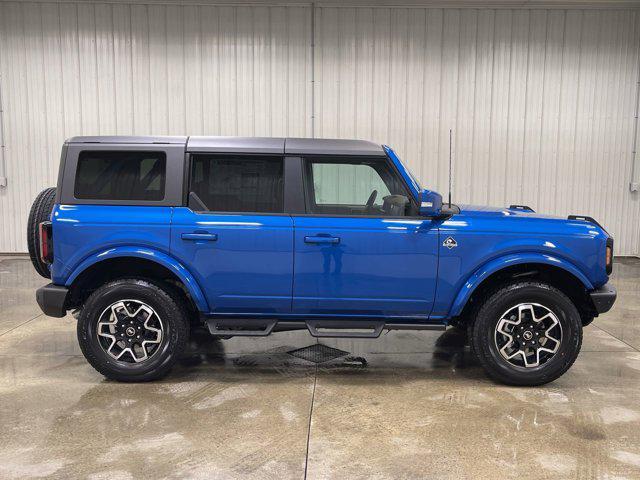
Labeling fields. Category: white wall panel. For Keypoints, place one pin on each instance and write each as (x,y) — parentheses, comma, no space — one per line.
(541,102)
(101,68)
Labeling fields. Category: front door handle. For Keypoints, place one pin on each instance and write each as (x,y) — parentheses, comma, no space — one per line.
(208,237)
(322,239)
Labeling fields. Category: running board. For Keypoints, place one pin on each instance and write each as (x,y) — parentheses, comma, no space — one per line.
(345,329)
(242,327)
(320,328)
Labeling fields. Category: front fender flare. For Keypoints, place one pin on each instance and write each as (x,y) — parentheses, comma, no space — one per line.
(499,263)
(161,258)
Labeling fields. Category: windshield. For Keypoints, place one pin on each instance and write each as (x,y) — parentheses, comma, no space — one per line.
(409,173)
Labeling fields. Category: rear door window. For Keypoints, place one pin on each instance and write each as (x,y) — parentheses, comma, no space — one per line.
(237,183)
(121,175)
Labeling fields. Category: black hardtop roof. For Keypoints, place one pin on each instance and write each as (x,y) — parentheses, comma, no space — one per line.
(267,145)
(122,139)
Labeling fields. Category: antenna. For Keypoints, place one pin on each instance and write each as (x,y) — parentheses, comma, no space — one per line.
(449,168)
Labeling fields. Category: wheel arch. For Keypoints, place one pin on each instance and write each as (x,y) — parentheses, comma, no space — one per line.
(135,261)
(558,272)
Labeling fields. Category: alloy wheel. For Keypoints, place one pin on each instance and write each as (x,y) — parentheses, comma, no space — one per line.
(528,335)
(130,331)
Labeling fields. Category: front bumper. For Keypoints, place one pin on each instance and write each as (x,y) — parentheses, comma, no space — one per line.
(604,297)
(52,300)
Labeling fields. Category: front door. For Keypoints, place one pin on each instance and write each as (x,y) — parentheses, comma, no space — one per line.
(360,250)
(234,234)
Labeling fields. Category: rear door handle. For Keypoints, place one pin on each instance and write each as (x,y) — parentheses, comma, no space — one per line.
(322,239)
(208,237)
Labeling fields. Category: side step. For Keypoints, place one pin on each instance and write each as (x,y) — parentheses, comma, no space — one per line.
(245,327)
(320,328)
(345,329)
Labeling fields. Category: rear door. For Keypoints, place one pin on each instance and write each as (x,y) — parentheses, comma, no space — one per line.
(233,234)
(360,250)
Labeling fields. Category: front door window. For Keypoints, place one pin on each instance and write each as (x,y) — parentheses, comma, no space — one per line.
(354,187)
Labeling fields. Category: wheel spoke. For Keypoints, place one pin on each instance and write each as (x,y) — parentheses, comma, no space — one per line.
(122,352)
(556,345)
(544,317)
(535,356)
(116,307)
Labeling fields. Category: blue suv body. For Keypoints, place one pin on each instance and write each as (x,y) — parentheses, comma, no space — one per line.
(249,236)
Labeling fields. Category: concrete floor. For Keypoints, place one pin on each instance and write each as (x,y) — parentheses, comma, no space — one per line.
(245,408)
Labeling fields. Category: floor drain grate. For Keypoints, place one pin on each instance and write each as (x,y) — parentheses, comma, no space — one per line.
(318,353)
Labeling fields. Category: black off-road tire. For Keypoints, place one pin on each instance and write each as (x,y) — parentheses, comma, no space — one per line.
(169,307)
(482,333)
(40,212)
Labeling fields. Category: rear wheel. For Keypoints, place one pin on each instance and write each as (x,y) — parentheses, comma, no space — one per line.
(133,330)
(527,333)
(40,212)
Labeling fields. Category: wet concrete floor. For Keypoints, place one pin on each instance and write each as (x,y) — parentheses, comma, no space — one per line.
(406,405)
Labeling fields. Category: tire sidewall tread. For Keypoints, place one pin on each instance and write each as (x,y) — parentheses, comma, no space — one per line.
(482,331)
(163,300)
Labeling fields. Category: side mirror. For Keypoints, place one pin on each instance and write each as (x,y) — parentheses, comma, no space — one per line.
(430,203)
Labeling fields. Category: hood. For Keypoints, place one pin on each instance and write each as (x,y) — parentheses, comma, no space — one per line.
(486,211)
(500,216)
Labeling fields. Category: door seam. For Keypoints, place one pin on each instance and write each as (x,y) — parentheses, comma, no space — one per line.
(293,261)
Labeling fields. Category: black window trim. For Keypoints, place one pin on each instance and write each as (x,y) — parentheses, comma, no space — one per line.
(174,154)
(187,183)
(305,160)
(294,191)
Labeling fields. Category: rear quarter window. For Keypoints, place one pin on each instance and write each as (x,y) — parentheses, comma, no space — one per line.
(121,175)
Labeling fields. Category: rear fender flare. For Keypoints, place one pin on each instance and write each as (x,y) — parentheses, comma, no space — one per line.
(493,266)
(153,255)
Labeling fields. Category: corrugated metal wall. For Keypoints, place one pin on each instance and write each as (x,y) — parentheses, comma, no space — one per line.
(541,102)
(84,69)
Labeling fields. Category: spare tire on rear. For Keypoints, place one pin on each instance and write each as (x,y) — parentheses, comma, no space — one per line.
(40,212)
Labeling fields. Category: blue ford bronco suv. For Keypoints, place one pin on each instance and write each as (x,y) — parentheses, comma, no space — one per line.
(145,238)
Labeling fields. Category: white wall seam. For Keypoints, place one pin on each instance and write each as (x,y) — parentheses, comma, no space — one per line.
(3,167)
(634,181)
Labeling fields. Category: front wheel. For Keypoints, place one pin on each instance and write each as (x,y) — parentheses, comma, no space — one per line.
(133,330)
(527,333)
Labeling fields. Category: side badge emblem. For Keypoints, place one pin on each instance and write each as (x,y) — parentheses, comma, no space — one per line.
(450,243)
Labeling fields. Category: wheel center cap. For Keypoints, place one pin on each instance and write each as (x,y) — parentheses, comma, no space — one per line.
(130,331)
(527,335)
